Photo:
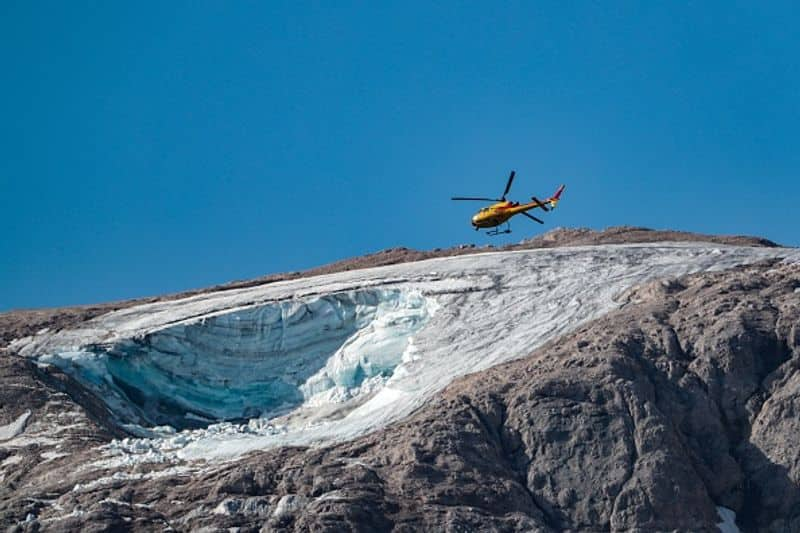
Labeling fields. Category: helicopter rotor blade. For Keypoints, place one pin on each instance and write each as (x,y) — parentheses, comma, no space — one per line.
(476,199)
(508,185)
(541,203)
(533,218)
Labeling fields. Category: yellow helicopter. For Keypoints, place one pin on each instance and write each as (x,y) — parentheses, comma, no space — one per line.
(500,212)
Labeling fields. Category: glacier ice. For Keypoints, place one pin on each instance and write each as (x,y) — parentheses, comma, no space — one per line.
(727,523)
(251,363)
(332,357)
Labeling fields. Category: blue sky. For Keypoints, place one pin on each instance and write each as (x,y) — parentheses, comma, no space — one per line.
(159,146)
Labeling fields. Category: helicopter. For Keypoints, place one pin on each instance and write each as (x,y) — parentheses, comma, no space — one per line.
(499,213)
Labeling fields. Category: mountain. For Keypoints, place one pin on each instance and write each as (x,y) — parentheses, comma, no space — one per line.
(625,380)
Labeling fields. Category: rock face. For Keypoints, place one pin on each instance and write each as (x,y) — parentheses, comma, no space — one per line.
(646,419)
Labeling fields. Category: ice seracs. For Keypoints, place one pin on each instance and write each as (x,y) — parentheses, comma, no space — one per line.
(255,362)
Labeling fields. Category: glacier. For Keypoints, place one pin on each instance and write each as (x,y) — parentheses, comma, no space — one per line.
(257,362)
(331,357)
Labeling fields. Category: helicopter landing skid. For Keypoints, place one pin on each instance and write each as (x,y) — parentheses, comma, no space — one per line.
(498,231)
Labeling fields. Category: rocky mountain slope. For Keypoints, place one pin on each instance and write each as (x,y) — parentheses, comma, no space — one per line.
(652,417)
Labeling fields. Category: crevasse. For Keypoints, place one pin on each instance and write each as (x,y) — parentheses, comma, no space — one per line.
(256,362)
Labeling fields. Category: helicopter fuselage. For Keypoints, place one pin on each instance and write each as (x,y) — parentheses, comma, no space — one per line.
(499,213)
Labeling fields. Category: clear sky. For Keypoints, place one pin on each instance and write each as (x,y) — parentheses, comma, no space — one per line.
(149,147)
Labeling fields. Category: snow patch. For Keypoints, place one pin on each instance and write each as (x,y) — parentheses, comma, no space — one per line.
(289,505)
(11,460)
(15,428)
(120,477)
(254,506)
(52,456)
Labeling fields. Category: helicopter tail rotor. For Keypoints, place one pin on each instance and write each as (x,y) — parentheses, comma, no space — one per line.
(553,201)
